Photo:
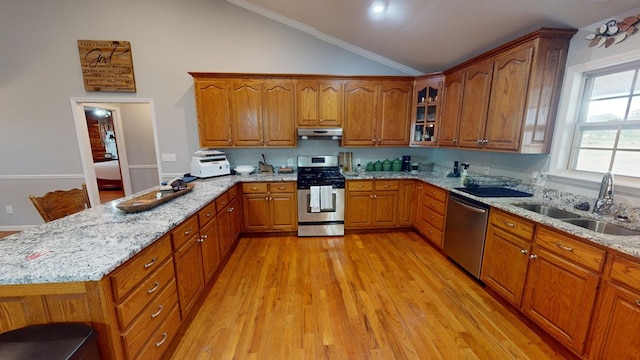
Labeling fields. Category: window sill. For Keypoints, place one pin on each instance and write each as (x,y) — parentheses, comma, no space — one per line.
(591,182)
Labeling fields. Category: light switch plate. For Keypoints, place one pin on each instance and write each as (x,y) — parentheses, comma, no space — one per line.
(169,157)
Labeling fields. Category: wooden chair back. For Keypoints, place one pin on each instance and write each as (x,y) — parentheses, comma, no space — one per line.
(56,204)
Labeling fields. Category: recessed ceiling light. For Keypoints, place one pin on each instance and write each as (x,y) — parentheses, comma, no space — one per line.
(378,6)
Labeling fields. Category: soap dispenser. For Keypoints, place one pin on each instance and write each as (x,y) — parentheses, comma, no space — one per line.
(464,173)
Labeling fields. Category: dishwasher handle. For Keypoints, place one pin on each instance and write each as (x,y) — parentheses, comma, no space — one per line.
(470,208)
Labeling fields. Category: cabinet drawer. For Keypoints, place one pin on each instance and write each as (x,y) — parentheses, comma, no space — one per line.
(234,192)
(144,293)
(433,218)
(285,187)
(206,214)
(359,185)
(434,205)
(430,231)
(571,249)
(254,188)
(512,224)
(150,319)
(183,232)
(222,201)
(159,341)
(435,192)
(129,275)
(382,185)
(626,272)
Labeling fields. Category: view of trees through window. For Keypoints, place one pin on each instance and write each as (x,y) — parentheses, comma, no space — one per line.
(608,130)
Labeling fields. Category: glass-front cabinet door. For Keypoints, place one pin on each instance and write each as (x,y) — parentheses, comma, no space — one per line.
(427,92)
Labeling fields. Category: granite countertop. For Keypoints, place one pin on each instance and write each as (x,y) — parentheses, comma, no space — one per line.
(88,245)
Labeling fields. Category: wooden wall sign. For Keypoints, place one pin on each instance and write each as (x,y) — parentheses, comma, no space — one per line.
(107,65)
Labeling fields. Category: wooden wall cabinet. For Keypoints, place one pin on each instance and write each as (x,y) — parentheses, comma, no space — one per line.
(263,112)
(475,102)
(426,117)
(377,112)
(244,111)
(432,210)
(616,327)
(506,254)
(320,103)
(507,98)
(372,203)
(270,206)
(214,118)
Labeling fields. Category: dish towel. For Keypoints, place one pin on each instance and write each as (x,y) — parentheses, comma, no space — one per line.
(314,199)
(326,197)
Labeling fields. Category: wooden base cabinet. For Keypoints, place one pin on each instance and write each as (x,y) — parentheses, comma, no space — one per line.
(229,219)
(188,262)
(562,284)
(431,213)
(146,302)
(372,203)
(616,329)
(270,206)
(506,254)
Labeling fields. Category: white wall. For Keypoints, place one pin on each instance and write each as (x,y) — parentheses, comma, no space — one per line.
(40,72)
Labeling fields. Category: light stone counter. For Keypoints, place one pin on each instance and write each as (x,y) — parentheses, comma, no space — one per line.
(88,245)
(629,245)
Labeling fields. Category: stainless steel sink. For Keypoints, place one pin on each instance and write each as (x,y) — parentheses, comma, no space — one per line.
(601,227)
(549,211)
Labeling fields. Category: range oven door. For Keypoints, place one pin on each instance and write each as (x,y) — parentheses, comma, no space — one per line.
(322,223)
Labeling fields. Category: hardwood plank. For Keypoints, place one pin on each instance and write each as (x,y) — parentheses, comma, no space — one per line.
(361,296)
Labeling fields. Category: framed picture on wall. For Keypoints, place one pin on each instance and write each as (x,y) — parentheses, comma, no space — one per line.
(107,65)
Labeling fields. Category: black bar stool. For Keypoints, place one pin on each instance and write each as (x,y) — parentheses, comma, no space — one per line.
(61,341)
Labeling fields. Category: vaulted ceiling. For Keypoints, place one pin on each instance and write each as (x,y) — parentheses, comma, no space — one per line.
(422,36)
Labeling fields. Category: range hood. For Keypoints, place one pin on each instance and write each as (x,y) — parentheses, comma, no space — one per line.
(320,133)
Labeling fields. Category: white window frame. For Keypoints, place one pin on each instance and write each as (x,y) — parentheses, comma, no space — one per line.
(581,124)
(559,160)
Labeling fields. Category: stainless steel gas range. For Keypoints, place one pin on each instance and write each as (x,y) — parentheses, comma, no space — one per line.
(320,196)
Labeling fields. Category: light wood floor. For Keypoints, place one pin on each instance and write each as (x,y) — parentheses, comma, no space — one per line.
(362,296)
(108,195)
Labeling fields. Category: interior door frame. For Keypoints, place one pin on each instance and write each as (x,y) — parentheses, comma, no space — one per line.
(84,145)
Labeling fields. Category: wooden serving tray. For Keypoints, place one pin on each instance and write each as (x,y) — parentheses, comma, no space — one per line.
(149,200)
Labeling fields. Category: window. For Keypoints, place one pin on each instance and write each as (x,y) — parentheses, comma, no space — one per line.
(607,136)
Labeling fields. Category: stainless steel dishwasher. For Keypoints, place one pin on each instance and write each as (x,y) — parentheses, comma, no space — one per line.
(466,226)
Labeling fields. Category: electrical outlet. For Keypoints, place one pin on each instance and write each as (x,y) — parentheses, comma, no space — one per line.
(290,162)
(9,209)
(487,170)
(169,157)
(358,161)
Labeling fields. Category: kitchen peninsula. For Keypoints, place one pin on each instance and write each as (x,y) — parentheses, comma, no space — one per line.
(106,267)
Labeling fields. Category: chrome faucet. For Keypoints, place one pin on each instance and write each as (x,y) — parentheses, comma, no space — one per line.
(605,197)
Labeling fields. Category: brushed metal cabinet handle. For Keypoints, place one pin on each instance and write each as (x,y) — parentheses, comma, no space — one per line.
(154,288)
(155,314)
(164,338)
(150,263)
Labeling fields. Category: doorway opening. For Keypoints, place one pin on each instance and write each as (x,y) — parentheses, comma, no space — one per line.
(104,152)
(118,146)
